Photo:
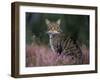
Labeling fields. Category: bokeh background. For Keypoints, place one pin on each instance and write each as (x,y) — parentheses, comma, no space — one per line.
(76,25)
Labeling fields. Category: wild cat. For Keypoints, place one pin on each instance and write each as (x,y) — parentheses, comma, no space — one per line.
(61,43)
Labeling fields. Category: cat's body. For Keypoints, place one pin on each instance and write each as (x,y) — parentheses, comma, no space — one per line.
(63,44)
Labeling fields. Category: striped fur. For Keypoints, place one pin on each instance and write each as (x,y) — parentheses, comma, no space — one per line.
(63,44)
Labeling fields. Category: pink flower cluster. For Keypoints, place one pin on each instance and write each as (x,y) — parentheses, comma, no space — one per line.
(39,55)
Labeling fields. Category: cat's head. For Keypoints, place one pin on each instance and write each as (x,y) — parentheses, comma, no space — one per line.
(53,27)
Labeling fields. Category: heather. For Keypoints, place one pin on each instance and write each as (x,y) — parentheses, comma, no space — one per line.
(42,55)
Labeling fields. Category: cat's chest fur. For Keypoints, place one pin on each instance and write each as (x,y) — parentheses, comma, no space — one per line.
(59,41)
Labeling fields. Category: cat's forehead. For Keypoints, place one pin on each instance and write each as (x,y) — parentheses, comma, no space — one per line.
(53,24)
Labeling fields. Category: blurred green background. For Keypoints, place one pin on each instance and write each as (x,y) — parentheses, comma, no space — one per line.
(76,25)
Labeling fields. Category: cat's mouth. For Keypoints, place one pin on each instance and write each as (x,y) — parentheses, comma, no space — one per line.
(53,32)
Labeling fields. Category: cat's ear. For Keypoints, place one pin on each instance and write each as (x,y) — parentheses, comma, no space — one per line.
(58,21)
(47,21)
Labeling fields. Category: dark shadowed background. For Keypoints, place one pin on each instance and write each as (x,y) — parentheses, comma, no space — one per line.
(76,25)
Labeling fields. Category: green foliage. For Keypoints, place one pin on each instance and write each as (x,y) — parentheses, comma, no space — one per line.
(76,25)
